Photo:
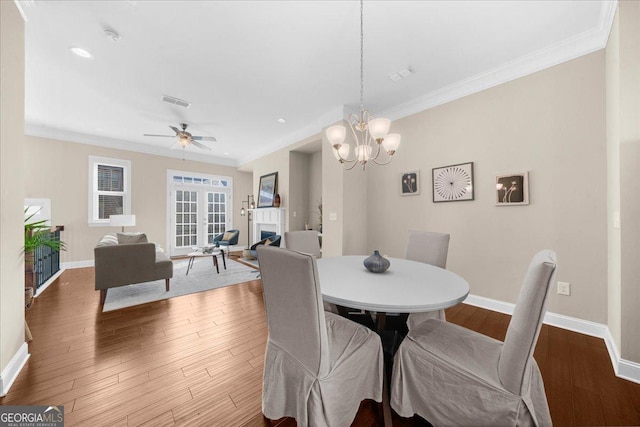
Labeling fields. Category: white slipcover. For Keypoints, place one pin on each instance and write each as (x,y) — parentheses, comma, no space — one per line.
(453,376)
(318,366)
(429,248)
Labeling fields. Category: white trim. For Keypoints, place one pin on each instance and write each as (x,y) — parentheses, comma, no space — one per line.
(76,264)
(623,368)
(46,284)
(11,371)
(19,4)
(94,162)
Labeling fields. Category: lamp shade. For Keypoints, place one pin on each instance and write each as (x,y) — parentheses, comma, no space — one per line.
(363,153)
(391,142)
(336,134)
(342,152)
(122,220)
(379,127)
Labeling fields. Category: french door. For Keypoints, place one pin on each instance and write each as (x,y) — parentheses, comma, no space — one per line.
(198,212)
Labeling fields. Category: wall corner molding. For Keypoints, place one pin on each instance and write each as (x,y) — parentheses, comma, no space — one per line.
(625,369)
(10,373)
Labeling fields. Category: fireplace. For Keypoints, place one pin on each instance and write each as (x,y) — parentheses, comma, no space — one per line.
(268,220)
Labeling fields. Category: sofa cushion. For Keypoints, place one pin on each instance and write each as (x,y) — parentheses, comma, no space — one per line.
(109,239)
(128,238)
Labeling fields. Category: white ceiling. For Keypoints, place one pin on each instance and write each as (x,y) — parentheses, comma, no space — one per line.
(244,64)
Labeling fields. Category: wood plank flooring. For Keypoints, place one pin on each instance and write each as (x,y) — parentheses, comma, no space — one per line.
(198,359)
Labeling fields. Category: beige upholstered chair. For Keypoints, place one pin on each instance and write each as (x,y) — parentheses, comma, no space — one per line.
(305,241)
(429,248)
(318,366)
(451,375)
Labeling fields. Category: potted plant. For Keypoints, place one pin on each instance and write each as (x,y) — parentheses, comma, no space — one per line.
(37,234)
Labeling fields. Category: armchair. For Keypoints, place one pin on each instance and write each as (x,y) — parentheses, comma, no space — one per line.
(273,241)
(228,238)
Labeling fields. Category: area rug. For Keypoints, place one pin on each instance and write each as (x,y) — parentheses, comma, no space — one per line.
(202,277)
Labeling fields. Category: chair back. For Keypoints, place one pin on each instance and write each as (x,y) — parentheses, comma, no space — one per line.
(524,328)
(293,300)
(303,241)
(428,247)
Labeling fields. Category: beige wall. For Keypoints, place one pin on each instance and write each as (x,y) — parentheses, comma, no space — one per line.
(552,124)
(613,181)
(62,170)
(629,141)
(298,190)
(12,174)
(315,188)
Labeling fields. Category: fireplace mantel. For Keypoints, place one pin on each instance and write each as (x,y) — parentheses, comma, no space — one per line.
(268,219)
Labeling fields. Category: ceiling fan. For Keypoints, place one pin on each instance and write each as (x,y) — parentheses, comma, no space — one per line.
(185,138)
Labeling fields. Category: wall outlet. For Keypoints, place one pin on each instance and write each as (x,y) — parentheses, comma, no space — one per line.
(333,216)
(564,288)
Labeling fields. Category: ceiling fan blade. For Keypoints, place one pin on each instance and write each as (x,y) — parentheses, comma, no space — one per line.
(175,145)
(166,136)
(197,144)
(204,138)
(175,129)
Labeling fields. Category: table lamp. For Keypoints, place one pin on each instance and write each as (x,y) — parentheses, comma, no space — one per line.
(122,221)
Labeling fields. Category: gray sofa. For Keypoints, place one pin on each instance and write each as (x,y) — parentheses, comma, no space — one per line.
(127,258)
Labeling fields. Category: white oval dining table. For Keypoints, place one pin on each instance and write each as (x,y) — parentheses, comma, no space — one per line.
(406,287)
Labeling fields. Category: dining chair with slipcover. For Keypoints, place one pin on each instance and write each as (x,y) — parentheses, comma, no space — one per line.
(318,366)
(429,248)
(450,375)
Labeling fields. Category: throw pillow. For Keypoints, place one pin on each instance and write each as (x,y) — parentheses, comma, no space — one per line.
(228,235)
(267,242)
(128,238)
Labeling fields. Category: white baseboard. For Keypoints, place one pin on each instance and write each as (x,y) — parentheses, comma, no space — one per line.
(46,284)
(76,264)
(623,368)
(10,373)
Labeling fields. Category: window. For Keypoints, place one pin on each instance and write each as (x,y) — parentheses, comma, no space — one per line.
(109,189)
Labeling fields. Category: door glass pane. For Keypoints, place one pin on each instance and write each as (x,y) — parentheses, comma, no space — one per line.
(186,225)
(215,223)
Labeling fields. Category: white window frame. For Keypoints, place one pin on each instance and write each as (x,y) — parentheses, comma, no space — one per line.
(94,161)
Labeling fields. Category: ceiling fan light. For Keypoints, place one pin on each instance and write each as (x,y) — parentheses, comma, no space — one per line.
(379,127)
(336,134)
(184,141)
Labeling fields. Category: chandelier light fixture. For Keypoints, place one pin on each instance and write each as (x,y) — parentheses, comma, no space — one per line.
(371,135)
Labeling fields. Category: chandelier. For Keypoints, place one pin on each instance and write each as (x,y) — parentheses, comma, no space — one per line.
(371,135)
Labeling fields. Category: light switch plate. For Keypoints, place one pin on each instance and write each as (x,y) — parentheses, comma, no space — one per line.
(333,216)
(564,288)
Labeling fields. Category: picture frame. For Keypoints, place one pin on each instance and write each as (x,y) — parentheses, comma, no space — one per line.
(410,183)
(453,183)
(512,189)
(267,190)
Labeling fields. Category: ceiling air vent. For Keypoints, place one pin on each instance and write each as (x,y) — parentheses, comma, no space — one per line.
(176,101)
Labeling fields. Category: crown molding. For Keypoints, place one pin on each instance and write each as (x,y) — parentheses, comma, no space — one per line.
(80,138)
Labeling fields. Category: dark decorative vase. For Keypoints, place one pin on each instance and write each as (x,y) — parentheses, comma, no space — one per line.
(276,201)
(376,263)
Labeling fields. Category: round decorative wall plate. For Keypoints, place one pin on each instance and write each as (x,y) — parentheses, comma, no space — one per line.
(453,183)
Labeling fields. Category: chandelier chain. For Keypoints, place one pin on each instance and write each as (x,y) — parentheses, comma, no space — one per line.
(361,55)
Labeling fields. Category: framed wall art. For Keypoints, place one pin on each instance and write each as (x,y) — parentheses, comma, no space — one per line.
(410,183)
(267,190)
(512,189)
(453,183)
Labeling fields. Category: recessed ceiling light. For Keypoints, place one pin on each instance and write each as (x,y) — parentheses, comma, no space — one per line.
(81,52)
(405,72)
(226,154)
(281,120)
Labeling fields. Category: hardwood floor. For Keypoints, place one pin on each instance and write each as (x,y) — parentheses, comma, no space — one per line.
(197,360)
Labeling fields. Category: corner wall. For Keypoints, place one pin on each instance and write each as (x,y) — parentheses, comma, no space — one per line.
(552,124)
(12,173)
